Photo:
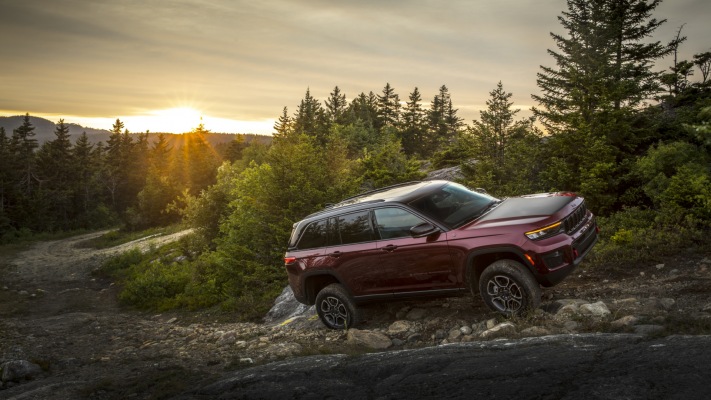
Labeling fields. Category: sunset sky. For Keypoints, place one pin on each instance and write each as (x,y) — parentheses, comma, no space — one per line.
(161,65)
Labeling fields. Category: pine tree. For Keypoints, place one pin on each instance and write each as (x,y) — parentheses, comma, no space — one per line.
(23,145)
(588,101)
(388,107)
(442,120)
(412,129)
(5,177)
(310,118)
(114,163)
(703,62)
(363,108)
(336,107)
(284,125)
(85,166)
(55,170)
(497,123)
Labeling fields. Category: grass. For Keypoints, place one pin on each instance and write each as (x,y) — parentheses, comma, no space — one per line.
(118,237)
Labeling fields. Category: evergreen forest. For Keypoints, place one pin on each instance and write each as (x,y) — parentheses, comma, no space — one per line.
(620,119)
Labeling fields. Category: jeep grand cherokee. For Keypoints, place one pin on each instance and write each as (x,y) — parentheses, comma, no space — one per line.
(436,238)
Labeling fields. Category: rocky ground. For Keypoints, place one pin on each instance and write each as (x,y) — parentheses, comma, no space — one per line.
(63,335)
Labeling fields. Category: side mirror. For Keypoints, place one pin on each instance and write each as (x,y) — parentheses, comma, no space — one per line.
(423,229)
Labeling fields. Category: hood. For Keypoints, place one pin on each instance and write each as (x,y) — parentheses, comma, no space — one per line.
(527,207)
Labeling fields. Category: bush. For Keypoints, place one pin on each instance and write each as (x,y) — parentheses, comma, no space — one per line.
(636,235)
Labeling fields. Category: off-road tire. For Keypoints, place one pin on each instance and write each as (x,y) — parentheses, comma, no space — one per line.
(336,308)
(507,287)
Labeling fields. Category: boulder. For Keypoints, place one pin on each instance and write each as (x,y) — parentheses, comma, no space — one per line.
(598,309)
(370,339)
(399,327)
(502,329)
(287,307)
(18,370)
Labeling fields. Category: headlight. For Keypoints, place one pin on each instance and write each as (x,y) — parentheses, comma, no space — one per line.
(546,231)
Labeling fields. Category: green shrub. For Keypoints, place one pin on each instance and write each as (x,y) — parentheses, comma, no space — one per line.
(155,285)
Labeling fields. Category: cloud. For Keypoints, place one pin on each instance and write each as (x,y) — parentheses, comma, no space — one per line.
(248,59)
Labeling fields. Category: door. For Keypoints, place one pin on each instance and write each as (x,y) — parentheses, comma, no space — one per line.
(411,264)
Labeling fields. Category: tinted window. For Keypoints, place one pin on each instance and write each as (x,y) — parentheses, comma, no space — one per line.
(314,235)
(355,228)
(454,205)
(395,222)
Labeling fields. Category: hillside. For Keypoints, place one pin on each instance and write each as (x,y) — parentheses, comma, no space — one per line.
(44,131)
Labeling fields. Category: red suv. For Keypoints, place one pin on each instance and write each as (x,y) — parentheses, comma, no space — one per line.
(436,238)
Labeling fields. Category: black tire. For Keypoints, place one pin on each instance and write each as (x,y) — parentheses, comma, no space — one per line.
(507,287)
(336,308)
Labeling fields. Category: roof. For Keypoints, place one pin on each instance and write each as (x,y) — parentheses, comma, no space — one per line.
(403,193)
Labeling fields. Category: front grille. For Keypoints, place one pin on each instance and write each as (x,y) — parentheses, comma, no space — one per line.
(575,220)
(582,245)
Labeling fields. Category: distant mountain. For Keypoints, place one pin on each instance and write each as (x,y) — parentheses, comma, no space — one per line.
(44,131)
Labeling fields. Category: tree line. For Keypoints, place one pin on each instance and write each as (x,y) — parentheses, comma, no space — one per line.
(63,185)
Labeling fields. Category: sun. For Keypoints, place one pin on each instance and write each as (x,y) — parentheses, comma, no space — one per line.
(175,120)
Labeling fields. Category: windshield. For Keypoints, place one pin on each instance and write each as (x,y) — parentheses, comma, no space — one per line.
(454,205)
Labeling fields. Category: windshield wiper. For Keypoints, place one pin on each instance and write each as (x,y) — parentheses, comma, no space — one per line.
(483,211)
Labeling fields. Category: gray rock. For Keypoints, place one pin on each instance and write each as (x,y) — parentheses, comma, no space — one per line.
(502,329)
(18,370)
(536,331)
(667,303)
(454,335)
(399,327)
(466,330)
(598,309)
(627,320)
(567,310)
(416,314)
(373,340)
(571,326)
(414,337)
(283,350)
(287,307)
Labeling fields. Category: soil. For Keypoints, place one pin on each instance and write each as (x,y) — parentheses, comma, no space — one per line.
(56,314)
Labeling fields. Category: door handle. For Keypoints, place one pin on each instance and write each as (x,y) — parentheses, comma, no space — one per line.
(389,247)
(335,254)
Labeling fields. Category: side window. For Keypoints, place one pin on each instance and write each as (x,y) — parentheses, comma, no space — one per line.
(395,222)
(355,228)
(314,236)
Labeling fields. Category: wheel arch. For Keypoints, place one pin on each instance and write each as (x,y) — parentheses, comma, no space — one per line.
(313,284)
(478,260)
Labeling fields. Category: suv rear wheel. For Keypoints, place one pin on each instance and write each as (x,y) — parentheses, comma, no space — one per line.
(336,308)
(508,288)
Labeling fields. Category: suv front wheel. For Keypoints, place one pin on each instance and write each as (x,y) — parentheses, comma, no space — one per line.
(336,308)
(508,288)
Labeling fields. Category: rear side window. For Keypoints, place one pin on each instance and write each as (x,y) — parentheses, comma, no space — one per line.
(314,236)
(355,228)
(395,222)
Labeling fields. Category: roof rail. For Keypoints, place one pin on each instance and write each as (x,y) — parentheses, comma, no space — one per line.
(382,189)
